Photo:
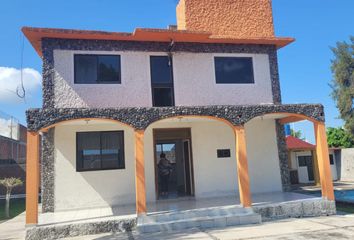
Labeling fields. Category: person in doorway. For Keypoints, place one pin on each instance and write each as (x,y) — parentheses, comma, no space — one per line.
(165,169)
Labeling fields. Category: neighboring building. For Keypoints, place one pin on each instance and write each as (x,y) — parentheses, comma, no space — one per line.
(207,94)
(303,164)
(12,151)
(344,161)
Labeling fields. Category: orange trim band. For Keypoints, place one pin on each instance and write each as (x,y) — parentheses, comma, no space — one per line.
(291,119)
(35,36)
(140,173)
(32,177)
(45,129)
(242,167)
(323,161)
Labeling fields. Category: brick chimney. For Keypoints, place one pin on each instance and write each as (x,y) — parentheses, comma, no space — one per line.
(227,18)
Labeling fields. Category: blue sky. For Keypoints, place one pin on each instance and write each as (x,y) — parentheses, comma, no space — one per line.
(304,65)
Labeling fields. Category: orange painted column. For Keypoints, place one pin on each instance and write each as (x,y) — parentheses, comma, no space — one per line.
(32,177)
(323,161)
(242,167)
(140,173)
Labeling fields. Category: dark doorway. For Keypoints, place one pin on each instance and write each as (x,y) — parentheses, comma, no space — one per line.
(307,161)
(175,146)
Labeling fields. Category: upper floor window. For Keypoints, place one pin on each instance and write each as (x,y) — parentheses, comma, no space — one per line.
(234,70)
(99,150)
(95,69)
(162,81)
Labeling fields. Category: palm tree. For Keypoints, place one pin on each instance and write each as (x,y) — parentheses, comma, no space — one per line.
(9,184)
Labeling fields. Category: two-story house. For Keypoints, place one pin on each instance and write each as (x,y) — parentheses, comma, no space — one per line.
(204,94)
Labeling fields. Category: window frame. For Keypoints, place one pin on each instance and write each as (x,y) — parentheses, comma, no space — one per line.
(162,85)
(119,81)
(331,159)
(81,169)
(215,57)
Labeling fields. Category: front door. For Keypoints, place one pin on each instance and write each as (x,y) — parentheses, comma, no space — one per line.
(188,168)
(305,169)
(173,165)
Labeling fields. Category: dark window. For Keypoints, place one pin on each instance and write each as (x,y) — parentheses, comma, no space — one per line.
(234,70)
(162,97)
(303,160)
(162,81)
(100,150)
(331,159)
(90,69)
(224,153)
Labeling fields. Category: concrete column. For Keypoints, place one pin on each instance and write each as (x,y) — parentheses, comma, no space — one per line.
(32,178)
(323,161)
(242,167)
(140,173)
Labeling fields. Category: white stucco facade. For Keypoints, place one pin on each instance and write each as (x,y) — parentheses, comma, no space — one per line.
(194,82)
(302,171)
(212,176)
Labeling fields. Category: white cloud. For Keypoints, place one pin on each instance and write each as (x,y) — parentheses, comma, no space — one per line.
(9,128)
(10,80)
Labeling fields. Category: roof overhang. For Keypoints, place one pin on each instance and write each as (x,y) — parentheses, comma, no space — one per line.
(35,36)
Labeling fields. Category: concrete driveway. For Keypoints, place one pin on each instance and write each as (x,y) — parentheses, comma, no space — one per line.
(322,228)
(13,229)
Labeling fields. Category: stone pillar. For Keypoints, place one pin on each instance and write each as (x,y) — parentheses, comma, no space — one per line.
(32,178)
(140,173)
(48,170)
(283,156)
(323,161)
(242,167)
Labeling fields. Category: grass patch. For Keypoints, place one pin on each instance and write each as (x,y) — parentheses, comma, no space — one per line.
(17,206)
(345,207)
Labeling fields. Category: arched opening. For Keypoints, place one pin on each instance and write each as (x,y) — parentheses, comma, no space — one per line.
(82,121)
(92,157)
(202,152)
(302,161)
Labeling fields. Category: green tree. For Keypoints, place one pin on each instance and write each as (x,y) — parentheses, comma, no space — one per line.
(9,184)
(343,81)
(339,137)
(297,134)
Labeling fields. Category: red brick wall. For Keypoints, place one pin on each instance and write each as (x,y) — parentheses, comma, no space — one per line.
(13,160)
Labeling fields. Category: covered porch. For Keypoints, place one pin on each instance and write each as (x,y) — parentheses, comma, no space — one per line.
(276,205)
(139,120)
(260,201)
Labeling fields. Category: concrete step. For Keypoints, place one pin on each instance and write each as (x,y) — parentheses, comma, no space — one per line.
(217,217)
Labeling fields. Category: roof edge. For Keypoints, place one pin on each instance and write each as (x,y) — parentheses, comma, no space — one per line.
(35,36)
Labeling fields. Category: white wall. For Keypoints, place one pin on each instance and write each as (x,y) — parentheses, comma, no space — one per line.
(263,158)
(347,164)
(194,82)
(96,188)
(213,176)
(218,176)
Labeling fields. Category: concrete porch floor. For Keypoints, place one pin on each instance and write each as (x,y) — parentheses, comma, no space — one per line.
(128,211)
(268,207)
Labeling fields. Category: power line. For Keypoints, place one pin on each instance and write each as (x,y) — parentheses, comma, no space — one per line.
(20,90)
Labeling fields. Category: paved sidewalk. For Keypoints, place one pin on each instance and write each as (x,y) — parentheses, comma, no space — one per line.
(321,228)
(13,228)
